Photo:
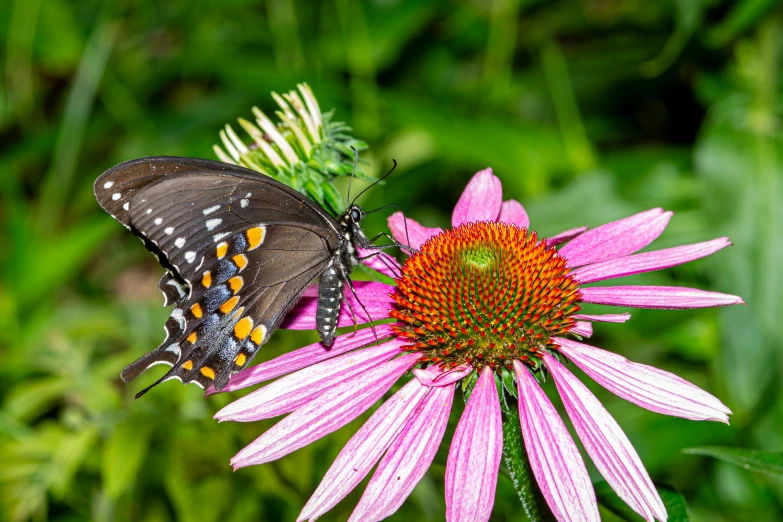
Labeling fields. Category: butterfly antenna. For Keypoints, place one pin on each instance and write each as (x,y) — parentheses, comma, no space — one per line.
(376,181)
(353,172)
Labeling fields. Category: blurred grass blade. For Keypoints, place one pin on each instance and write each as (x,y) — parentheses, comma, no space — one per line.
(123,455)
(578,147)
(41,266)
(77,111)
(767,462)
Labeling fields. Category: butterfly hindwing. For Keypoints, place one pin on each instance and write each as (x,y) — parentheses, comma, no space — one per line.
(240,249)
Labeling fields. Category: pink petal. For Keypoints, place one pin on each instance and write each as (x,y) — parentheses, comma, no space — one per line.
(303,357)
(582,328)
(659,297)
(408,458)
(604,318)
(646,386)
(559,469)
(607,445)
(513,213)
(616,239)
(329,412)
(364,449)
(562,237)
(375,305)
(474,457)
(649,261)
(435,375)
(297,389)
(480,201)
(417,234)
(380,262)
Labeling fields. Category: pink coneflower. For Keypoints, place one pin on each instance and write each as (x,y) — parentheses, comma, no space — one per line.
(483,296)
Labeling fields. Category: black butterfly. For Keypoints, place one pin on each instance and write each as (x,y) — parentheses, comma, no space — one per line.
(239,247)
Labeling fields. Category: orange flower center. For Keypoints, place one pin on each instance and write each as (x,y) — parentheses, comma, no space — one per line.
(484,294)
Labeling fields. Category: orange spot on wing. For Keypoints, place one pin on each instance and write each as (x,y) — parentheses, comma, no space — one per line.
(207,279)
(259,332)
(240,359)
(240,260)
(188,365)
(221,250)
(196,311)
(208,372)
(242,328)
(192,338)
(255,236)
(236,284)
(229,305)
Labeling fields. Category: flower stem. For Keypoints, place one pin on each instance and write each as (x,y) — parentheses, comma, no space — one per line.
(515,459)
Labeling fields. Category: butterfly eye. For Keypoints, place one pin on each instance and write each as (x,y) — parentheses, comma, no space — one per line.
(356,215)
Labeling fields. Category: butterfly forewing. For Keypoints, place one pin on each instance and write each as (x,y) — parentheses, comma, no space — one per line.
(240,249)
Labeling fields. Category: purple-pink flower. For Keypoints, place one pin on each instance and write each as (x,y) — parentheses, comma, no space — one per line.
(482,297)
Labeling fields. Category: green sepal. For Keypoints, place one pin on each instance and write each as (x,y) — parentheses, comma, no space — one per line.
(509,382)
(467,386)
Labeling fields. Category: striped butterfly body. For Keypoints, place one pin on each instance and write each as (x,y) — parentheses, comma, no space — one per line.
(239,249)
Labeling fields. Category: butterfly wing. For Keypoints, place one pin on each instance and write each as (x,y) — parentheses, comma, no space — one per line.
(240,249)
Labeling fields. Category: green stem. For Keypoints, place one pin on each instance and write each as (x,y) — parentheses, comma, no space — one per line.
(515,459)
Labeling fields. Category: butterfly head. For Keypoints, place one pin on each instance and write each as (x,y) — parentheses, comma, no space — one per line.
(355,214)
(351,224)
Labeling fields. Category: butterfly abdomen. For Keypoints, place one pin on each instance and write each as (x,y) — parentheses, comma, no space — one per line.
(330,299)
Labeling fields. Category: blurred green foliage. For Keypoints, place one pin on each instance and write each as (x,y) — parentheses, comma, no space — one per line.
(588,111)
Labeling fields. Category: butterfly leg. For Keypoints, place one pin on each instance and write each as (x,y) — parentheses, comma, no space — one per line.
(372,324)
(394,243)
(395,270)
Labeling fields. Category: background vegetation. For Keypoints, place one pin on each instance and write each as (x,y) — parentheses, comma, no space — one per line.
(588,110)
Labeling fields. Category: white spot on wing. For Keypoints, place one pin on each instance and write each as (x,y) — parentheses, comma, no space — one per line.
(158,221)
(179,317)
(169,230)
(190,256)
(218,237)
(208,211)
(244,203)
(174,348)
(179,242)
(116,196)
(108,184)
(126,206)
(149,211)
(212,223)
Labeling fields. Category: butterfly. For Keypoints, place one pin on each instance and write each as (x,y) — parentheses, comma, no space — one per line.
(239,249)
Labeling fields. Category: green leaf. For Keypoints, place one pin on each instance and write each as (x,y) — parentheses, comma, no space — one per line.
(123,455)
(515,459)
(675,504)
(768,462)
(673,501)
